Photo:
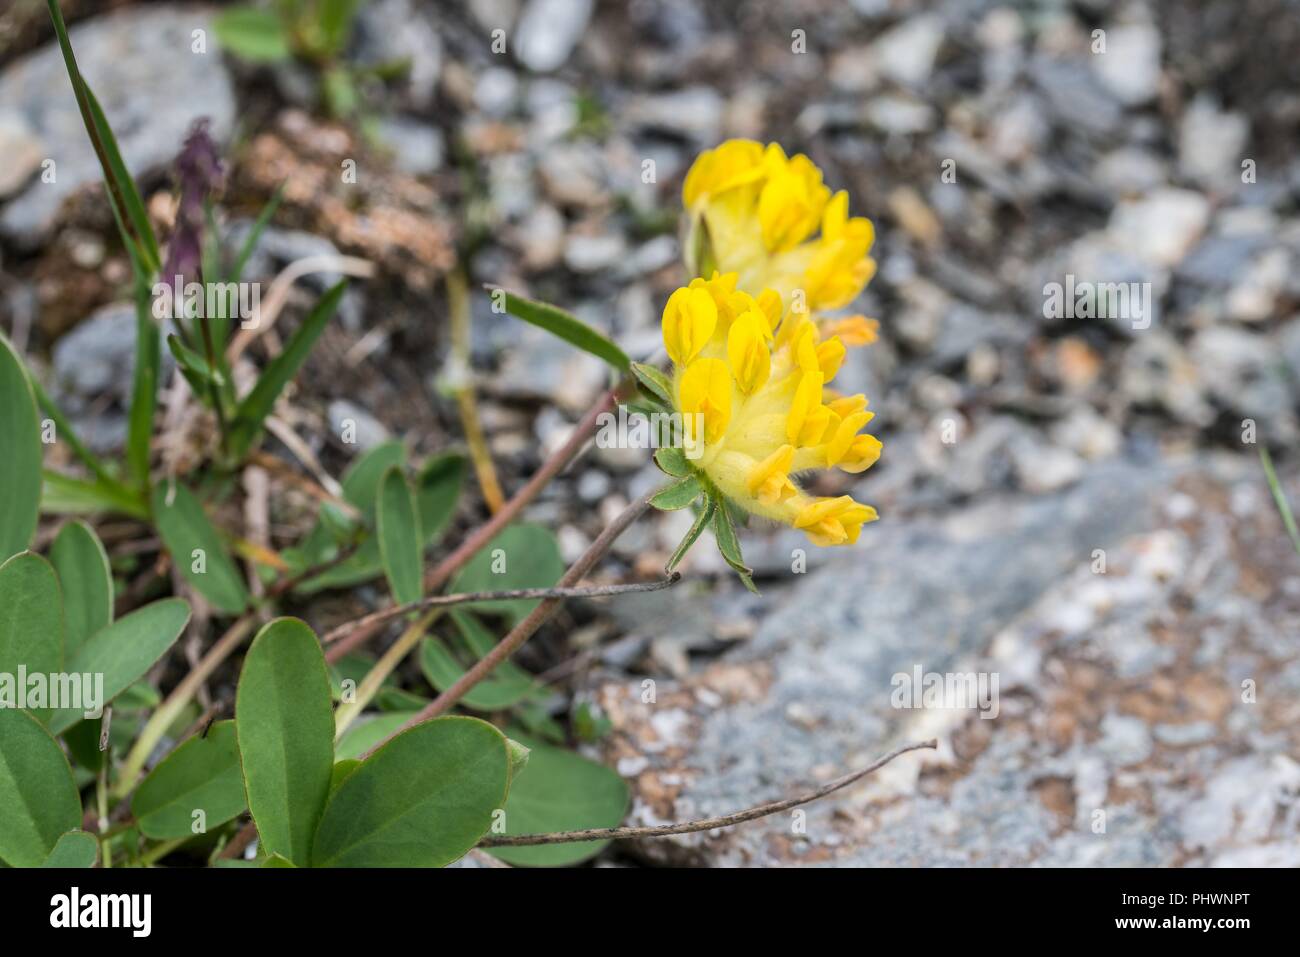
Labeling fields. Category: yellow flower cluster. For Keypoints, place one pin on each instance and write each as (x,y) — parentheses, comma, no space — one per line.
(757,380)
(755,211)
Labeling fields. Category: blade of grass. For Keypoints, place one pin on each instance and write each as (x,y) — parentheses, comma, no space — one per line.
(1279,496)
(252,412)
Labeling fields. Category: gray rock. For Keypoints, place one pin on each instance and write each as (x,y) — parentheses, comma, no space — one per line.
(23,152)
(1130,67)
(97,357)
(592,254)
(418,147)
(905,54)
(548,31)
(694,113)
(140,64)
(396,31)
(347,419)
(1211,145)
(1161,227)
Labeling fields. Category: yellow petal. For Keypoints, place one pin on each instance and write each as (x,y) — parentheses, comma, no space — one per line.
(769,480)
(706,389)
(853,330)
(830,356)
(751,363)
(805,409)
(688,321)
(838,446)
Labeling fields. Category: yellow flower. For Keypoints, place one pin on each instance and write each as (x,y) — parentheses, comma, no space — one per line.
(757,384)
(761,209)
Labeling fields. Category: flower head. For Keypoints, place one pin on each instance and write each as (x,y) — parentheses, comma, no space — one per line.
(772,222)
(757,381)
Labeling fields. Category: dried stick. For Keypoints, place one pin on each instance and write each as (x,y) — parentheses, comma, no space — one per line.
(708,824)
(511,643)
(441,573)
(518,594)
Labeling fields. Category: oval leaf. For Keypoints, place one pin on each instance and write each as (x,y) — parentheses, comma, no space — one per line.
(79,558)
(123,652)
(560,791)
(31,621)
(196,548)
(76,849)
(285,726)
(422,800)
(38,797)
(400,541)
(203,774)
(437,489)
(251,33)
(20,451)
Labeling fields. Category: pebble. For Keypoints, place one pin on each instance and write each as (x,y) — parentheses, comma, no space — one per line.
(151,101)
(1130,67)
(346,417)
(548,31)
(906,53)
(1162,226)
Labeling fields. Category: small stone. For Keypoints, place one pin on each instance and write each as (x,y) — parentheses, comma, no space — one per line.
(1043,468)
(1210,145)
(906,53)
(593,486)
(548,31)
(591,254)
(1162,226)
(1255,297)
(496,91)
(1130,67)
(355,427)
(694,113)
(22,151)
(418,148)
(541,237)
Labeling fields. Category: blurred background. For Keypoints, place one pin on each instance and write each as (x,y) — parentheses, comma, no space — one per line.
(1076,504)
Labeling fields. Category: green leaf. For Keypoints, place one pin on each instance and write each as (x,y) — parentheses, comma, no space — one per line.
(31,620)
(124,198)
(678,495)
(197,549)
(560,791)
(724,530)
(400,541)
(20,451)
(255,234)
(65,495)
(422,800)
(437,490)
(567,327)
(367,732)
(124,651)
(75,849)
(342,768)
(87,581)
(252,34)
(278,860)
(505,685)
(203,774)
(672,461)
(521,556)
(285,721)
(257,405)
(144,389)
(701,522)
(655,381)
(37,793)
(66,433)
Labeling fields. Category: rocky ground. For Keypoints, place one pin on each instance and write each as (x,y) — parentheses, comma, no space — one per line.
(996,152)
